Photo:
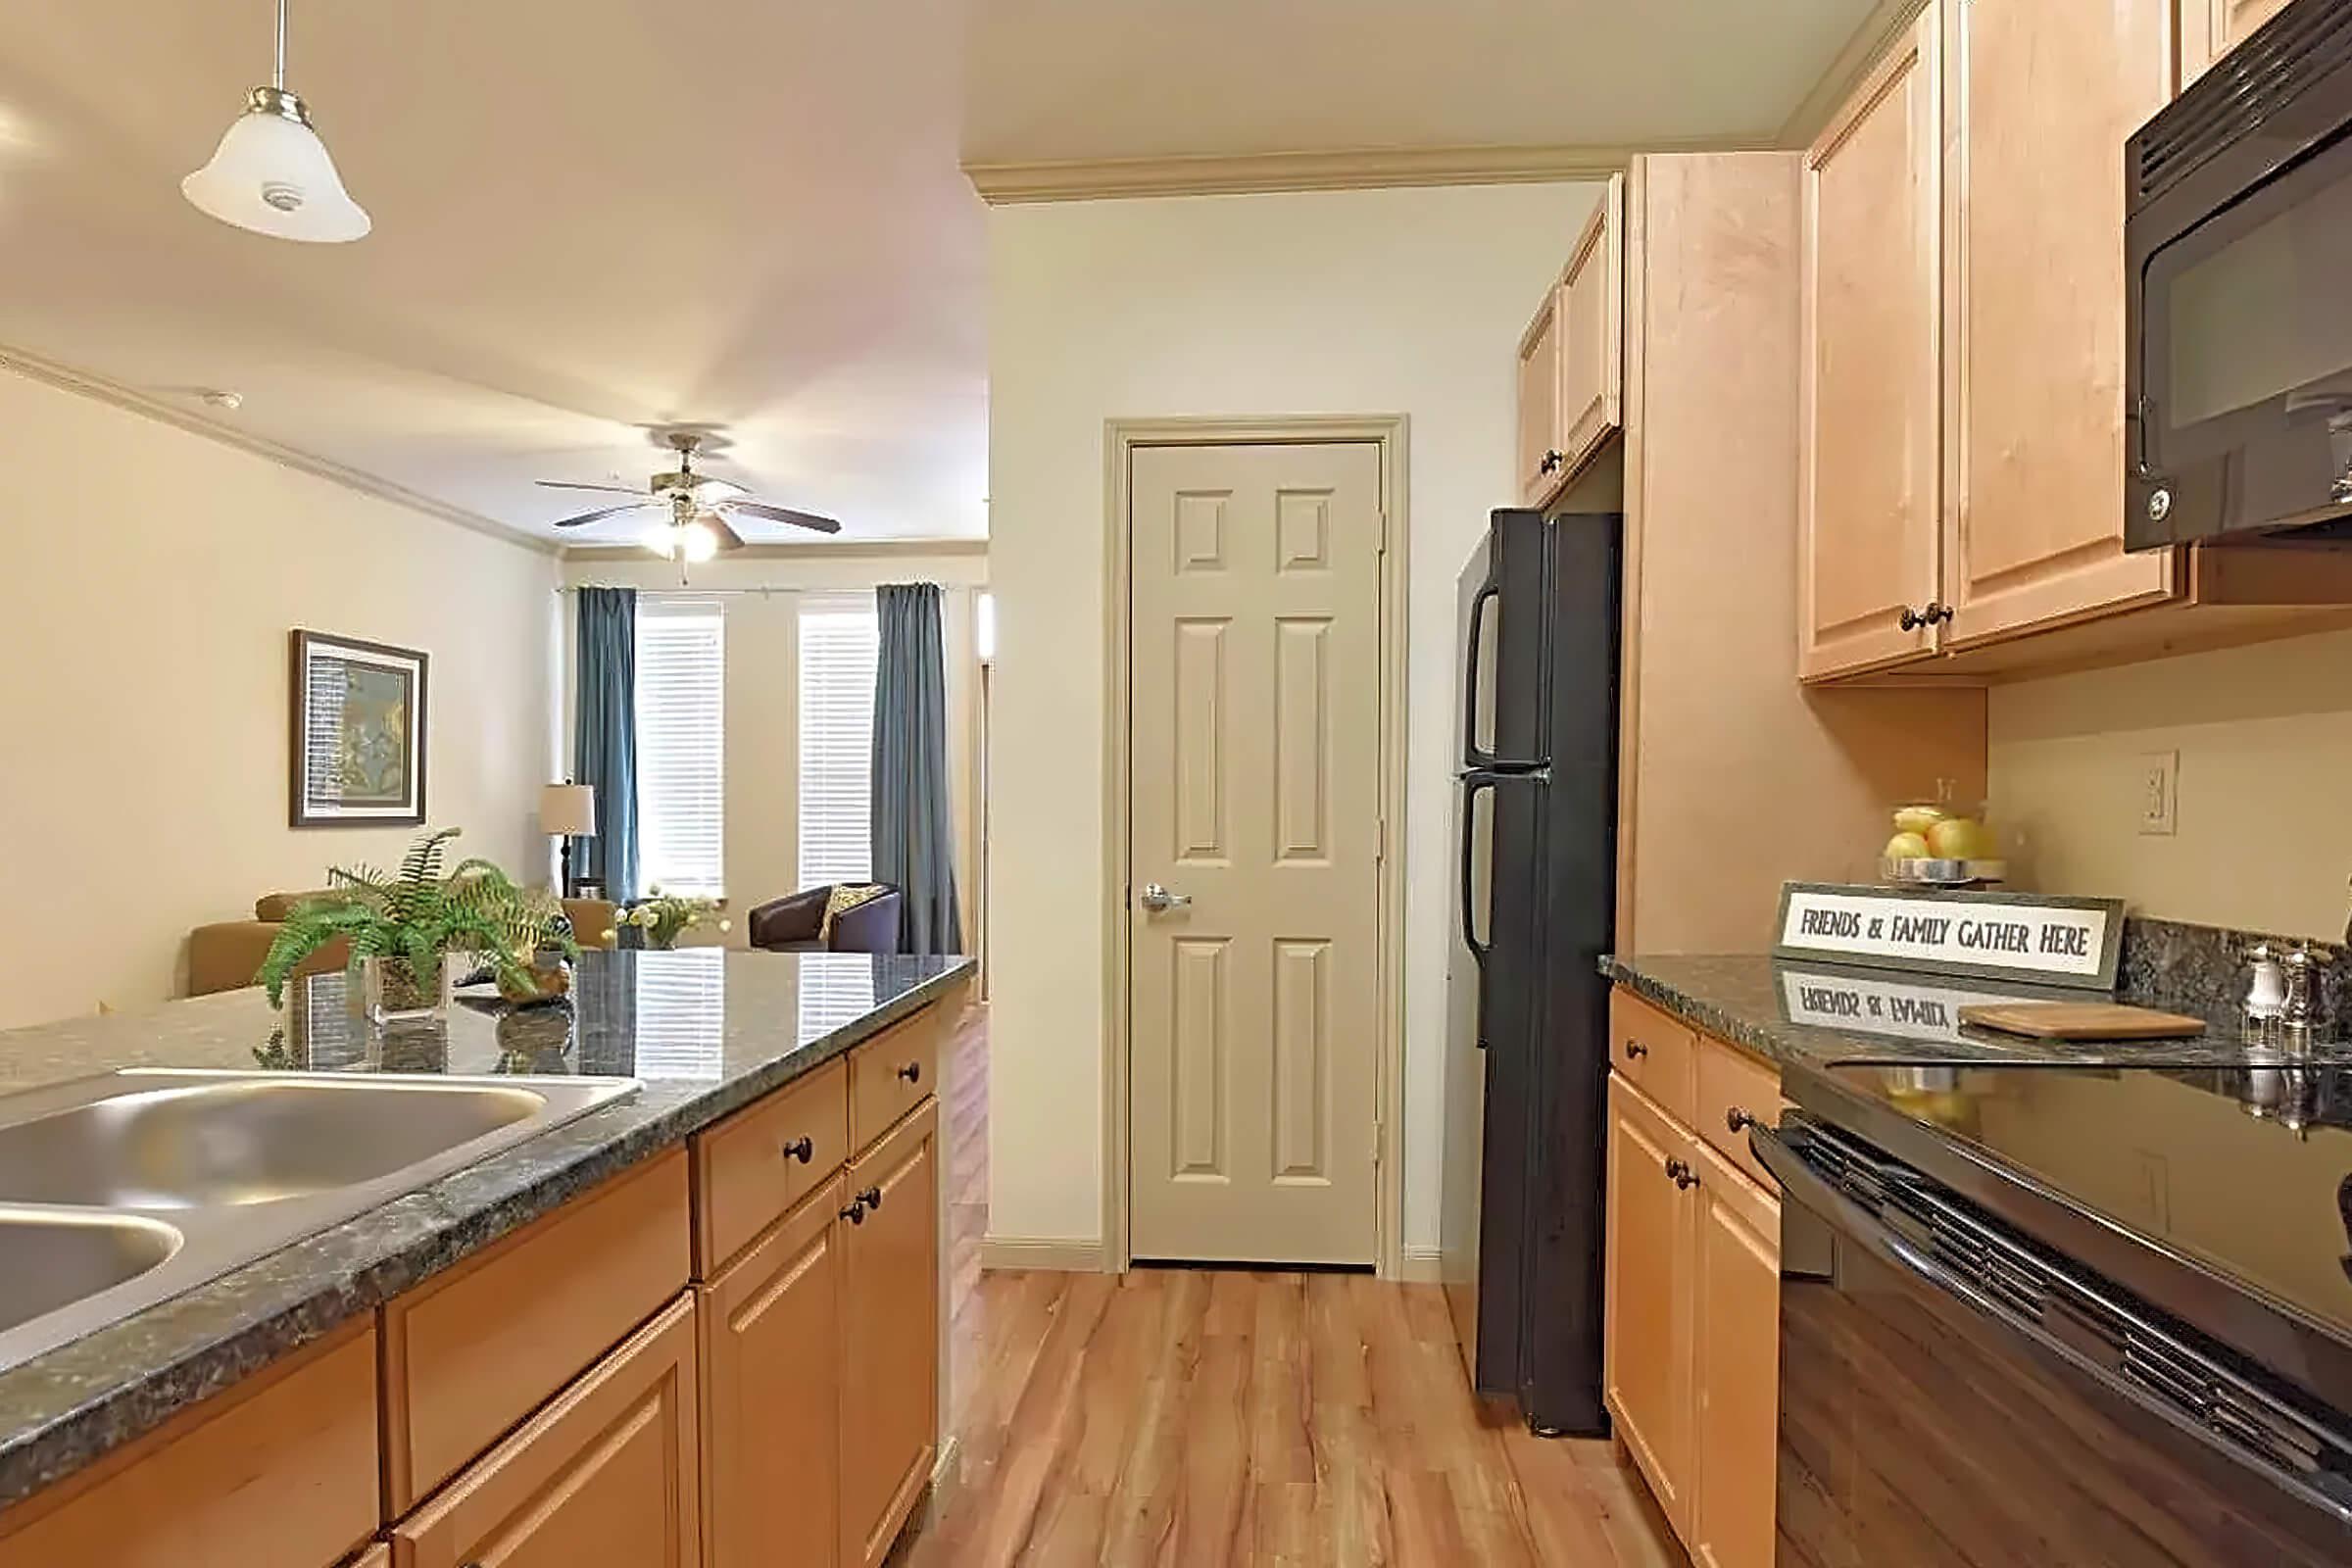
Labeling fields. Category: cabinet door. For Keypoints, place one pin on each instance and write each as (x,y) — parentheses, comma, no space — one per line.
(1542,465)
(1645,1349)
(2211,28)
(771,1393)
(1735,1366)
(605,1477)
(1591,314)
(1869,472)
(2038,97)
(890,1336)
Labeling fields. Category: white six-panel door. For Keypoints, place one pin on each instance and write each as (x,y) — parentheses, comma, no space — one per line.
(1254,714)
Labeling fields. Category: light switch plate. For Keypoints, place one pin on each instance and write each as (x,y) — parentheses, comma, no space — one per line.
(2160,792)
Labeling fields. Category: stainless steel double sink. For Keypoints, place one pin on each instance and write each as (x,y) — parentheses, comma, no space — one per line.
(120,1190)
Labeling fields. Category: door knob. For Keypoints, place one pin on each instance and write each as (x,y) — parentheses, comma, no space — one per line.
(1158,900)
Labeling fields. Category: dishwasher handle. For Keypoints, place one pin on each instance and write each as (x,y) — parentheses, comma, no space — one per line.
(1849,1218)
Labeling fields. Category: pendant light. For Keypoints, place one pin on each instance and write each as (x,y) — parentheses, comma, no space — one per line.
(271,173)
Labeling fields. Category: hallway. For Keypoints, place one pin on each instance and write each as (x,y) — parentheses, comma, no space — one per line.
(1179,1416)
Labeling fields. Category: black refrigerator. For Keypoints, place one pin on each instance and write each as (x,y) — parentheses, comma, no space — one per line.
(1527,1056)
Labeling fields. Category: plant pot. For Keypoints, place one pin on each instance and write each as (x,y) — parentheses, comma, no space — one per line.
(551,977)
(390,990)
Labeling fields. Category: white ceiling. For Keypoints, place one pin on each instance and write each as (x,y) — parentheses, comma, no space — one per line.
(592,216)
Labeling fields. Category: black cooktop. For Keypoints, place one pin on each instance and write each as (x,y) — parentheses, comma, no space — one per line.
(2245,1171)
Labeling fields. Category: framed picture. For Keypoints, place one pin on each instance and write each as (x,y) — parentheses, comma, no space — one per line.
(357,743)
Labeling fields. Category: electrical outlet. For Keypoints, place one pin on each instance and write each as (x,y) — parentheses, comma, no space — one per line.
(2160,792)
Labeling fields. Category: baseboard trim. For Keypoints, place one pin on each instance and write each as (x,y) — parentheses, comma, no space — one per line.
(1063,1255)
(1419,1266)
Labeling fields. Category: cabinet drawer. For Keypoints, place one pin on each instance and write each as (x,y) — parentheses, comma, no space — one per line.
(609,1473)
(1731,1082)
(1655,1051)
(469,1355)
(754,1166)
(278,1472)
(891,1073)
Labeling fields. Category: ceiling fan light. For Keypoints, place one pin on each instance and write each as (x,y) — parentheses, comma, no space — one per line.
(271,175)
(698,540)
(662,541)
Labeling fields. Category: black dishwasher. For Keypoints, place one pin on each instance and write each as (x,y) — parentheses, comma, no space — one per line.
(2062,1316)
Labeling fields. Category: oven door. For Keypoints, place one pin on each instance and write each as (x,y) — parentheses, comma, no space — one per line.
(1942,1406)
(2238,313)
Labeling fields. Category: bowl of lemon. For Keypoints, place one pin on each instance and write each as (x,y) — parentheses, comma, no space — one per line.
(1941,846)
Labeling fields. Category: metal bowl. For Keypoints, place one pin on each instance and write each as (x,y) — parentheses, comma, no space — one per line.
(1934,873)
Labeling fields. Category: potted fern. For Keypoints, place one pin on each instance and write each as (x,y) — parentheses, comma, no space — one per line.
(403,929)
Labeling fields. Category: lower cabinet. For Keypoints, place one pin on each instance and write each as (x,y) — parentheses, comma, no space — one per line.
(821,1359)
(890,1336)
(606,1476)
(771,1392)
(1691,1346)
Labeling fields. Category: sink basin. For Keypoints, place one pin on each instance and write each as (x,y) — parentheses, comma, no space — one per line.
(122,1191)
(245,1140)
(57,1259)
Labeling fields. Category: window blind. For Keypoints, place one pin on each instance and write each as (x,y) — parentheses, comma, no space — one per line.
(840,642)
(681,746)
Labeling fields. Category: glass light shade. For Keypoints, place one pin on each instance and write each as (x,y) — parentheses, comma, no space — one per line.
(699,540)
(271,175)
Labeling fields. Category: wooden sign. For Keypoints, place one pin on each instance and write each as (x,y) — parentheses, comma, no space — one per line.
(1986,936)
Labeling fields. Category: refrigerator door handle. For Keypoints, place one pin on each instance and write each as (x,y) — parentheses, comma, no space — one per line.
(1472,785)
(1473,754)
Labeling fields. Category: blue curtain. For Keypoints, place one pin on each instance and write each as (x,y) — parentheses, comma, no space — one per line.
(914,828)
(603,738)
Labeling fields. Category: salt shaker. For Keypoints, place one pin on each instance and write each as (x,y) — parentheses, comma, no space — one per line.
(2265,996)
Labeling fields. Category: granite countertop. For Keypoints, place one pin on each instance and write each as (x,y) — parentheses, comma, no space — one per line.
(1820,1014)
(706,1031)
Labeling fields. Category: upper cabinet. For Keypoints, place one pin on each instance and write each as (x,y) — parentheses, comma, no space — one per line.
(2211,28)
(1572,358)
(1869,521)
(2039,99)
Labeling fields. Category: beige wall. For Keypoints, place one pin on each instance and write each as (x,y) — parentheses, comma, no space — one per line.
(1354,302)
(153,576)
(763,690)
(2265,737)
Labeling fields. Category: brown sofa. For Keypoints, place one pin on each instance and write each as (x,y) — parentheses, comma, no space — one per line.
(225,957)
(793,923)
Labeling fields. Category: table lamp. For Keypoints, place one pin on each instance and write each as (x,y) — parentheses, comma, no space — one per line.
(569,811)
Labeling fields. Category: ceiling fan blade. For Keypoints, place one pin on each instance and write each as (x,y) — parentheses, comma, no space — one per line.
(799,519)
(575,484)
(603,512)
(728,538)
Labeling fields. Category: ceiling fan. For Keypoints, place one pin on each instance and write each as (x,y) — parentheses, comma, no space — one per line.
(698,504)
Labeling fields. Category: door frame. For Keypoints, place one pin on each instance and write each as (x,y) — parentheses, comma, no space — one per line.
(1121,438)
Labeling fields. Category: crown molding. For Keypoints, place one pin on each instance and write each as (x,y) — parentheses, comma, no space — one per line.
(1003,185)
(68,379)
(814,550)
(1888,21)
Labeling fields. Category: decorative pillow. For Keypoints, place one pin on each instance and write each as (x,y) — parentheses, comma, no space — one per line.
(843,897)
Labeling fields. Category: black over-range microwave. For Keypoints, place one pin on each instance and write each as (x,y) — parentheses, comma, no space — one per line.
(2238,308)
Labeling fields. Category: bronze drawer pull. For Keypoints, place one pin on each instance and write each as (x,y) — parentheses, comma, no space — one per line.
(1635,1050)
(912,1073)
(801,1148)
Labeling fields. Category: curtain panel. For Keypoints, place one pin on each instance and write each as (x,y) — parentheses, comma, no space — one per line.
(913,822)
(603,738)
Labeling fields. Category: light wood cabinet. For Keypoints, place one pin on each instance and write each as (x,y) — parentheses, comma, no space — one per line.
(605,1477)
(1572,358)
(890,1336)
(1541,458)
(1734,1364)
(2039,98)
(1647,1296)
(892,1073)
(1691,1348)
(751,1167)
(378,1556)
(1869,465)
(2211,28)
(278,1472)
(771,1338)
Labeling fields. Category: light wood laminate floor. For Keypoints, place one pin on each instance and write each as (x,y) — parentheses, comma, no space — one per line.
(1193,1417)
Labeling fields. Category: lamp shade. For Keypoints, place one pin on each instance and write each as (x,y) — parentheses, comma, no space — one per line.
(568,809)
(272,174)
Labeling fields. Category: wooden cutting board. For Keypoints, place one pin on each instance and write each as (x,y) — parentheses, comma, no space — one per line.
(2080,1020)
